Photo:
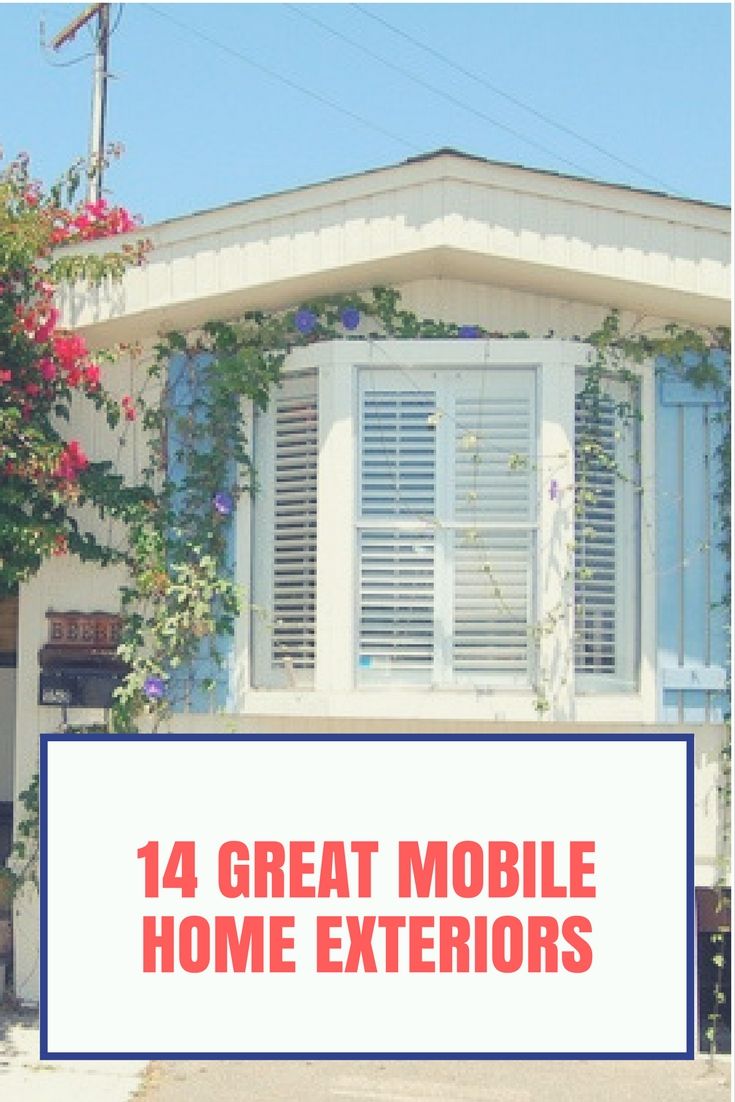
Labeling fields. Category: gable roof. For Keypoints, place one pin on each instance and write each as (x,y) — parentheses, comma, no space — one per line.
(441,214)
(457,154)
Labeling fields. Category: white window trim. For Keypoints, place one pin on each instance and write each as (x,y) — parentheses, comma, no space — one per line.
(334,692)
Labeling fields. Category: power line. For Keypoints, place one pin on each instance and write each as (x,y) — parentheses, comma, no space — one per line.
(512,99)
(302,89)
(440,91)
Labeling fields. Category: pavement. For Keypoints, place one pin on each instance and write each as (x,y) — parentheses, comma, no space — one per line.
(25,1078)
(438,1081)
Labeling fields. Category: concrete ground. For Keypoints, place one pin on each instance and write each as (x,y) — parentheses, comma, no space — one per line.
(25,1078)
(438,1081)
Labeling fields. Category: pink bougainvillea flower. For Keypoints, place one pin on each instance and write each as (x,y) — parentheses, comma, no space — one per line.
(71,461)
(47,369)
(92,376)
(69,347)
(44,331)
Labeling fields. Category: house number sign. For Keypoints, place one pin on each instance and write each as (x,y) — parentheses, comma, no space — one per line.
(80,629)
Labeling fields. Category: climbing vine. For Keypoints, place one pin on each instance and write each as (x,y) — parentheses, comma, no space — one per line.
(182,599)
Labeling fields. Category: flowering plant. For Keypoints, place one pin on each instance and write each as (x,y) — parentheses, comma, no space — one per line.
(43,475)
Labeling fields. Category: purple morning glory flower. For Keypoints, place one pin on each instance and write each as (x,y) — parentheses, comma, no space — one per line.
(154,688)
(350,317)
(469,332)
(553,489)
(223,503)
(305,321)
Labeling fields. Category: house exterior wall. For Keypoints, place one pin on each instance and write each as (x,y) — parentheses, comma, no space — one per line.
(472,243)
(63,583)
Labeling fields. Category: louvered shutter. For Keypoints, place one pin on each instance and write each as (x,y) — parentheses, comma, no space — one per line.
(493,449)
(285,535)
(398,454)
(294,537)
(446,533)
(396,560)
(491,602)
(605,533)
(397,600)
(492,555)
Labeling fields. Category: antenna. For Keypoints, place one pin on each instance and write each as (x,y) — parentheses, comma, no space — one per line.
(99,88)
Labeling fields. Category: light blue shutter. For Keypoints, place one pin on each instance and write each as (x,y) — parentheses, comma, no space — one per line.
(692,570)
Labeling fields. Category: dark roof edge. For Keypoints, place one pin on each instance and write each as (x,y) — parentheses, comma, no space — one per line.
(430,156)
(448,151)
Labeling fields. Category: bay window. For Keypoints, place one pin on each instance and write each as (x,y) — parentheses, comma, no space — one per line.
(418,523)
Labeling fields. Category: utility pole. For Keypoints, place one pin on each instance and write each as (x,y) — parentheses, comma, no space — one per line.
(99,88)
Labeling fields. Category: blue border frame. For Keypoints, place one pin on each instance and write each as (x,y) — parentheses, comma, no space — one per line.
(688,1054)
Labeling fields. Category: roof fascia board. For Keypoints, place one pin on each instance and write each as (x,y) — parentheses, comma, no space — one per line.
(438,170)
(645,299)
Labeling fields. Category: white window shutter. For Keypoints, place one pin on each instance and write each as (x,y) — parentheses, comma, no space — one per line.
(492,591)
(294,529)
(396,629)
(446,534)
(494,451)
(284,542)
(398,454)
(397,486)
(605,535)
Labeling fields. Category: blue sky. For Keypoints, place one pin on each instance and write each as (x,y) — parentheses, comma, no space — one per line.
(202,126)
